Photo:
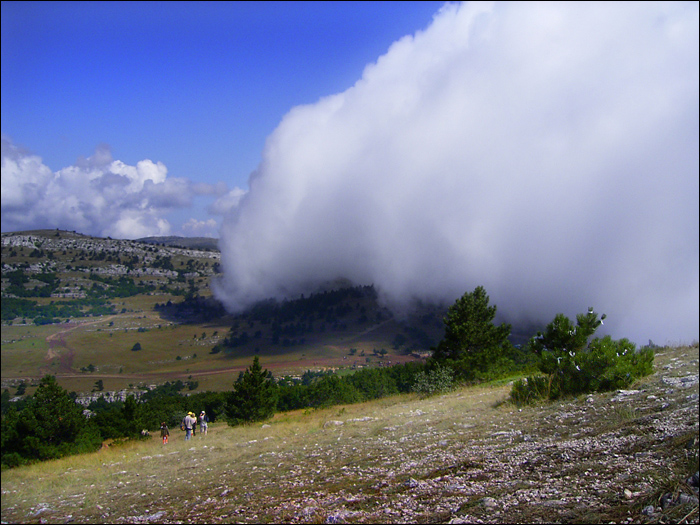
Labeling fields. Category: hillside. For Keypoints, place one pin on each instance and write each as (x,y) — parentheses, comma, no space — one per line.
(465,457)
(196,243)
(77,306)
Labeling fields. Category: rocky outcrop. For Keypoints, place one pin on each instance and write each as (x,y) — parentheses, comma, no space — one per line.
(110,396)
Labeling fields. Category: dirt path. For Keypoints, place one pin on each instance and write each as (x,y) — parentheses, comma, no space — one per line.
(57,342)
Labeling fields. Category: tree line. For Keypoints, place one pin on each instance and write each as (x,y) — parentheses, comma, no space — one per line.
(565,359)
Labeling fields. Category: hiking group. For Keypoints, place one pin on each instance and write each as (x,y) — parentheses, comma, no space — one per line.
(189,424)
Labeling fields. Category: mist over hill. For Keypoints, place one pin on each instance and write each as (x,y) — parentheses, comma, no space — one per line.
(559,171)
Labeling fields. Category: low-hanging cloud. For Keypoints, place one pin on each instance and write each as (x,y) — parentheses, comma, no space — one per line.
(548,152)
(97,196)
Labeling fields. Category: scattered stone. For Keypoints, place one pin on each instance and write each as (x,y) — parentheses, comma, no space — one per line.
(488,502)
(666,501)
(624,394)
(579,457)
(681,382)
(687,499)
(42,507)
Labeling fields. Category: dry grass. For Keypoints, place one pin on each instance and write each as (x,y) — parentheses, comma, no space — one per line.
(169,351)
(264,460)
(395,460)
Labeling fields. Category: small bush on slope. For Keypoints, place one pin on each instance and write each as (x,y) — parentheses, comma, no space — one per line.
(573,366)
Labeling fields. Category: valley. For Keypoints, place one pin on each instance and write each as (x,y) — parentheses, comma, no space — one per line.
(135,314)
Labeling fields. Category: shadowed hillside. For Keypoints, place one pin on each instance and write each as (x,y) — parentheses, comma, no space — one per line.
(196,243)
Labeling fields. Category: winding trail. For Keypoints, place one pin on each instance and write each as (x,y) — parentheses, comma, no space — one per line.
(57,342)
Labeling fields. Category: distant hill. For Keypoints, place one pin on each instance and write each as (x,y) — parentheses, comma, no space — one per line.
(192,243)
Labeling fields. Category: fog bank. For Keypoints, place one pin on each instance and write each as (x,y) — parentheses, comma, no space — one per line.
(548,152)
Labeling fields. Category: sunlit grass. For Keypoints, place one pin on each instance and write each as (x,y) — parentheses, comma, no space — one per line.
(350,450)
(237,457)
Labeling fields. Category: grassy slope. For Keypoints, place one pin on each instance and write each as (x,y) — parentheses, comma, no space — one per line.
(395,460)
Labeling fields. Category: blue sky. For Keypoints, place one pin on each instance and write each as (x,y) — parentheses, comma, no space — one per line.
(546,151)
(197,86)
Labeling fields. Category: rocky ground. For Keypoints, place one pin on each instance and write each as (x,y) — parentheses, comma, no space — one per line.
(628,456)
(617,457)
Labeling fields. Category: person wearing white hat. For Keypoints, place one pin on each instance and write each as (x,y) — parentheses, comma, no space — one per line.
(203,423)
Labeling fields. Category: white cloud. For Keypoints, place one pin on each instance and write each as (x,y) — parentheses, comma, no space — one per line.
(97,196)
(227,201)
(23,180)
(196,228)
(546,151)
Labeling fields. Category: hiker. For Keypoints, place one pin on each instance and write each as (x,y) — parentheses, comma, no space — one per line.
(203,420)
(164,432)
(187,425)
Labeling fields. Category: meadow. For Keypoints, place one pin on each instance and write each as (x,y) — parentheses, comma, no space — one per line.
(463,457)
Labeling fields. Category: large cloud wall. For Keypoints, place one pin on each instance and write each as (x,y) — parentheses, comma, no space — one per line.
(548,152)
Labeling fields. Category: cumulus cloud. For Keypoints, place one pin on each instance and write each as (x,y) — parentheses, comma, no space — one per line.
(98,195)
(196,228)
(227,200)
(548,152)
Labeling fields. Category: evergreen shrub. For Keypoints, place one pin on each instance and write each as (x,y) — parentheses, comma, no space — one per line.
(572,366)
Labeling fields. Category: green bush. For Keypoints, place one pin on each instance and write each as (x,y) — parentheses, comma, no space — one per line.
(572,366)
(436,381)
(50,426)
(531,389)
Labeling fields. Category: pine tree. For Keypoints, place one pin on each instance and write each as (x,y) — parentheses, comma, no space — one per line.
(472,343)
(51,426)
(254,396)
(561,338)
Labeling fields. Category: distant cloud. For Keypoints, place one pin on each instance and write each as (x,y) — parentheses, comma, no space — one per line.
(546,151)
(97,196)
(227,202)
(195,228)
